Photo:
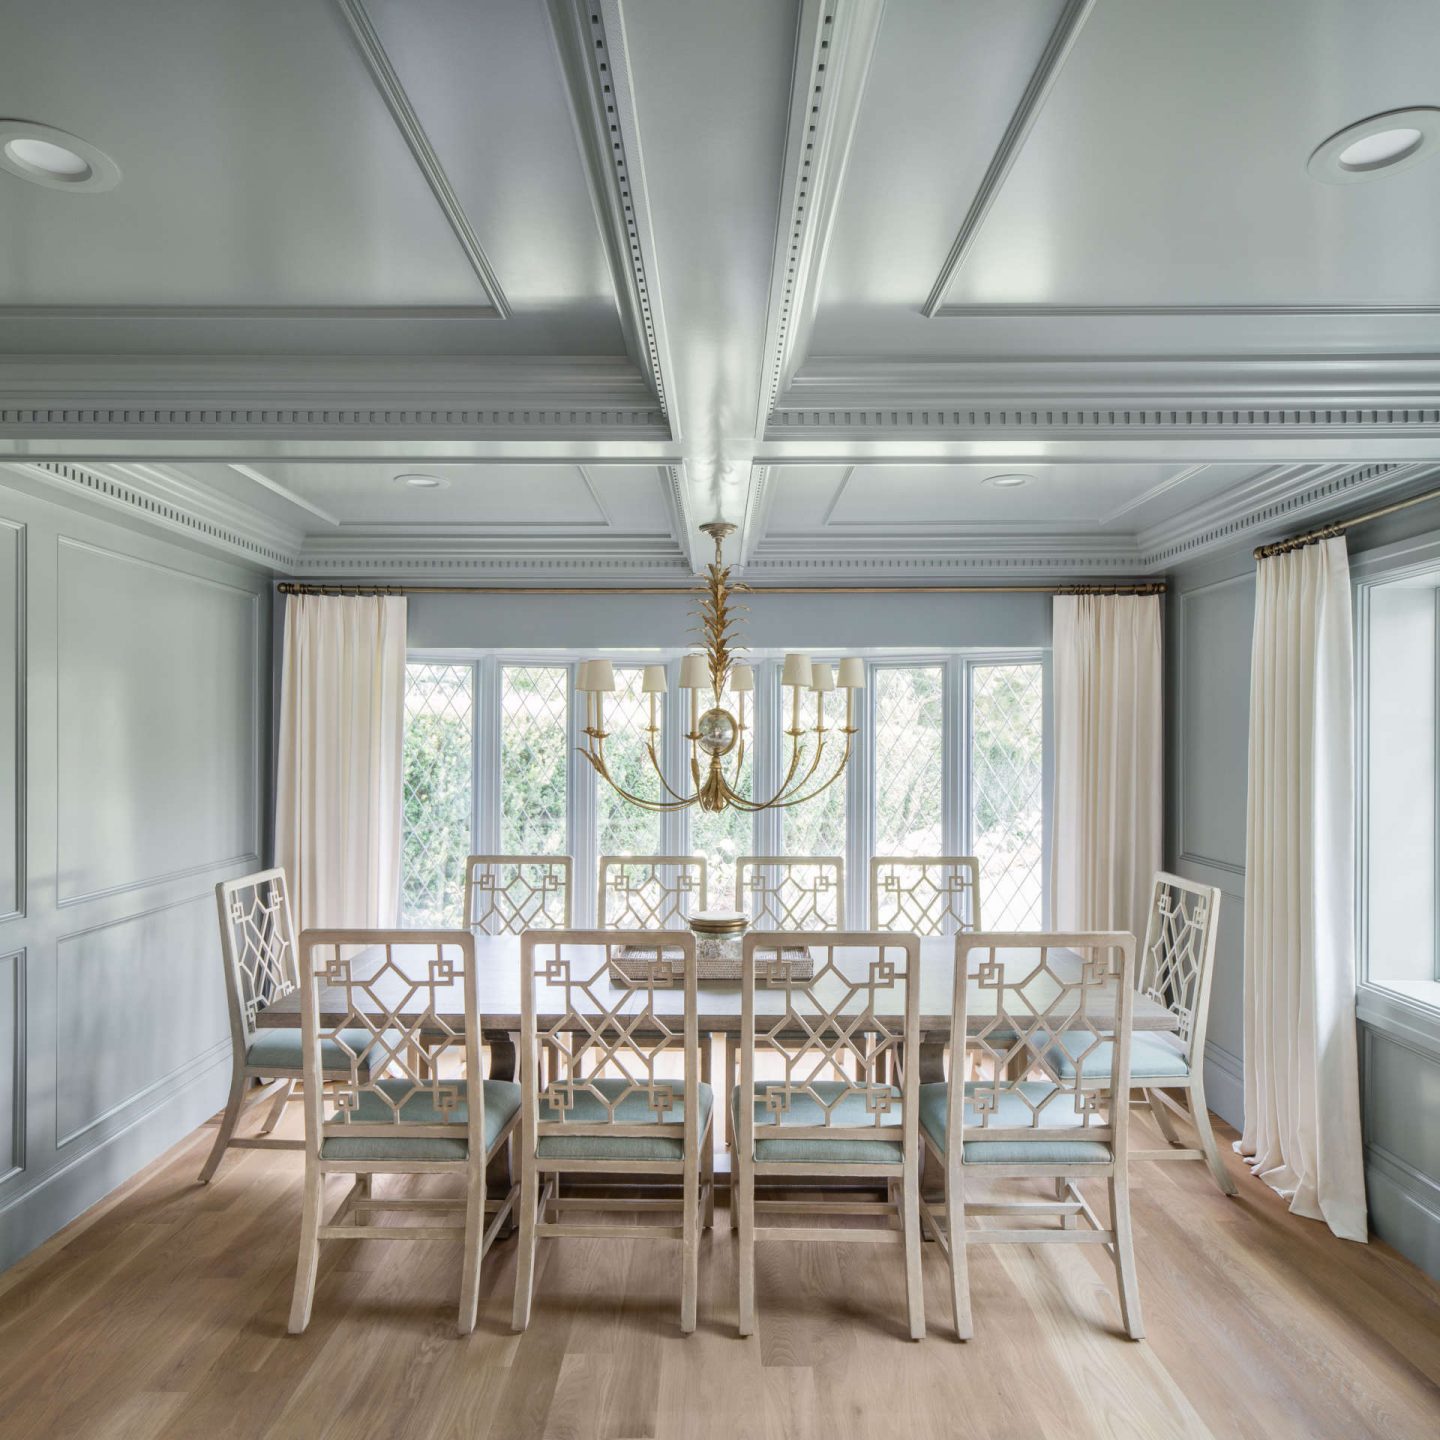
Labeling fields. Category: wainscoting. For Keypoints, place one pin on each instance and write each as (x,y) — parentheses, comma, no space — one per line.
(134,703)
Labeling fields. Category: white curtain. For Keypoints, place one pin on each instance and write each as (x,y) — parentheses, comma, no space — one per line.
(338,791)
(1106,833)
(1302,1106)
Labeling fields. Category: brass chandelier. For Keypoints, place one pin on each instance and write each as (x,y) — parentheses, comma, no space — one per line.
(717,734)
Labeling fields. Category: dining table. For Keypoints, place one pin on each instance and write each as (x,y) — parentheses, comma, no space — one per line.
(498,991)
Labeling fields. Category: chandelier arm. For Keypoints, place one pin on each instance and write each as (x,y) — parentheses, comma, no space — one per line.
(681,800)
(790,780)
(778,798)
(603,771)
(819,789)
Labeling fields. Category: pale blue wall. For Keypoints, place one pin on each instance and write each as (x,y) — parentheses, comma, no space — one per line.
(138,673)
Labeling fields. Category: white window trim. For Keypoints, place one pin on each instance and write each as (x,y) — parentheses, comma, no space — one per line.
(1409,1009)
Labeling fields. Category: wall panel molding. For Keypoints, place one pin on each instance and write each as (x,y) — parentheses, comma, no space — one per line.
(68,894)
(13,1115)
(19,717)
(197,972)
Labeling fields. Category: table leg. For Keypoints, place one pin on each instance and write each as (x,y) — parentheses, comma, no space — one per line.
(498,1178)
(932,1072)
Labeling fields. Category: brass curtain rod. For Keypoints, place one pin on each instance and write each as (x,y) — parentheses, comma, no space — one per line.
(1339,527)
(1148,587)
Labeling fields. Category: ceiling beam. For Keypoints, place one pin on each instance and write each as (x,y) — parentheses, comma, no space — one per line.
(589,39)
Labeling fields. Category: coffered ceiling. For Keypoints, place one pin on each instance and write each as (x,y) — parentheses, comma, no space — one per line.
(822,267)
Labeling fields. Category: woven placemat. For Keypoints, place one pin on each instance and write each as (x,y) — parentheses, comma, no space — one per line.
(633,965)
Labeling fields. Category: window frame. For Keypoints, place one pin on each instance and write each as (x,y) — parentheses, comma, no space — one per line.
(768,749)
(1414,1010)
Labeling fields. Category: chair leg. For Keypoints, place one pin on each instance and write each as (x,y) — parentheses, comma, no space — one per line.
(914,1282)
(707,1175)
(1125,1274)
(1200,1115)
(474,1240)
(525,1254)
(233,1106)
(365,1185)
(690,1246)
(309,1261)
(277,1109)
(731,1048)
(959,1250)
(1062,1193)
(1162,1118)
(742,1195)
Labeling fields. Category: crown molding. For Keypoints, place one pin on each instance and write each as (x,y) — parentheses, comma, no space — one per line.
(202,395)
(759,497)
(1002,311)
(840,399)
(833,49)
(1037,92)
(173,505)
(247,312)
(1271,503)
(387,82)
(589,37)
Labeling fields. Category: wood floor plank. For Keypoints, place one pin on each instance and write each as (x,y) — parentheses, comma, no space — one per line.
(162,1315)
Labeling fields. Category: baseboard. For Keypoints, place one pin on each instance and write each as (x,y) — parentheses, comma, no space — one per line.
(1404,1209)
(53,1201)
(1225,1085)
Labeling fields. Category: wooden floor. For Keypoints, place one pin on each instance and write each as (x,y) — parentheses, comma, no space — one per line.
(162,1314)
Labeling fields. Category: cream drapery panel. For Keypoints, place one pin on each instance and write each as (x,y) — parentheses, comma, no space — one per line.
(1302,1105)
(1106,832)
(338,787)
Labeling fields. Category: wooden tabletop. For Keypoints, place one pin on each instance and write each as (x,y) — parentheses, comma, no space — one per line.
(498,985)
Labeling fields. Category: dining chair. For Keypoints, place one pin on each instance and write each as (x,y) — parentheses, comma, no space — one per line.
(622,1116)
(508,894)
(1177,961)
(833,1113)
(257,946)
(651,892)
(925,894)
(389,1115)
(791,892)
(1047,1005)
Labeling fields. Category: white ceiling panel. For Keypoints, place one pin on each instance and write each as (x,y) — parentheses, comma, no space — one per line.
(262,170)
(511,498)
(877,498)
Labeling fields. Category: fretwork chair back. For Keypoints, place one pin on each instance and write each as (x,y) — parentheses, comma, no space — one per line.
(925,894)
(1177,961)
(1032,1009)
(651,892)
(791,892)
(409,993)
(509,894)
(623,1115)
(257,946)
(833,1112)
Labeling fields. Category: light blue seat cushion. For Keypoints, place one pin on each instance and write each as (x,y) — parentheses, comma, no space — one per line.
(1152,1057)
(502,1103)
(634,1109)
(281,1049)
(886,1149)
(1012,1112)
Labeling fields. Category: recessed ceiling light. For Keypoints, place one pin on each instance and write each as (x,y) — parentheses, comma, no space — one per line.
(1380,145)
(1007,482)
(46,156)
(422,482)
